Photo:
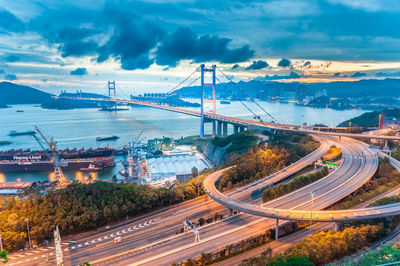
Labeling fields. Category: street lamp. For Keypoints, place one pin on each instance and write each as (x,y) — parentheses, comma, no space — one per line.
(198,175)
(29,235)
(312,205)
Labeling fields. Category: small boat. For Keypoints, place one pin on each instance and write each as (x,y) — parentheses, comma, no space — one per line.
(224,102)
(107,138)
(15,133)
(20,111)
(91,168)
(5,142)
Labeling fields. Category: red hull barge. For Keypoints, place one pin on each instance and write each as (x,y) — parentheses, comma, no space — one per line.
(72,164)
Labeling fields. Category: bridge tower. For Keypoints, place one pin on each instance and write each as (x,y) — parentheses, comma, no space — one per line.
(206,84)
(112,95)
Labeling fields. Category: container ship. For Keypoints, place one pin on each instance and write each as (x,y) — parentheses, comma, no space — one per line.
(27,160)
(47,165)
(64,154)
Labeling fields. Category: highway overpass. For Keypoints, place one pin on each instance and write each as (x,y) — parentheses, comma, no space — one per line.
(302,211)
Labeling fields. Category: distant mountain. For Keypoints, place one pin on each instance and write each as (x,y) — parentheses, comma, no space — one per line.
(11,93)
(264,89)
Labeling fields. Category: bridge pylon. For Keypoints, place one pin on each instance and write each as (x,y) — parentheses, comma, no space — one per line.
(205,99)
(112,95)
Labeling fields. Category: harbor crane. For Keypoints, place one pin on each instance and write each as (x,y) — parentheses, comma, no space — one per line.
(129,172)
(53,156)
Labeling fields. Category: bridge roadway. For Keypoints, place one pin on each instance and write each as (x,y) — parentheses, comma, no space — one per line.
(241,121)
(165,222)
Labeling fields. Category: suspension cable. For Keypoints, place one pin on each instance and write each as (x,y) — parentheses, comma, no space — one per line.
(256,116)
(183,81)
(234,83)
(196,79)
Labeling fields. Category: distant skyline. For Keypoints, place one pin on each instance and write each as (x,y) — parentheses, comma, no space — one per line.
(151,45)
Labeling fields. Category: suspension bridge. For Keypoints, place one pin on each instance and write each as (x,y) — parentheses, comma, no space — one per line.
(206,93)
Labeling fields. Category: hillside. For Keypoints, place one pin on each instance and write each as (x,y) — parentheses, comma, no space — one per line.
(371,119)
(11,93)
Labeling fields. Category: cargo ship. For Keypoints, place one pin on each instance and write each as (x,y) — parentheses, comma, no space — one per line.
(107,138)
(5,142)
(47,165)
(64,154)
(21,133)
(27,160)
(224,102)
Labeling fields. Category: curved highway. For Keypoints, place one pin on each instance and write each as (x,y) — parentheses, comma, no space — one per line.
(359,164)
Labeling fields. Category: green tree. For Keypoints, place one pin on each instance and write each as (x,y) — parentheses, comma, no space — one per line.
(3,256)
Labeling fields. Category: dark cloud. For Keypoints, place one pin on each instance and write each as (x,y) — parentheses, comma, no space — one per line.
(10,77)
(260,64)
(10,23)
(284,63)
(307,64)
(72,42)
(336,74)
(80,71)
(358,74)
(292,75)
(12,58)
(185,44)
(118,34)
(132,40)
(235,66)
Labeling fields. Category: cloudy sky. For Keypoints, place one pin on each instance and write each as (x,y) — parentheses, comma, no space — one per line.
(151,45)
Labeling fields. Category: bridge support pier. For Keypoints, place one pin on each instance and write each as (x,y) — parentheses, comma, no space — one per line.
(230,211)
(219,128)
(225,129)
(235,129)
(241,129)
(277,230)
(337,227)
(214,128)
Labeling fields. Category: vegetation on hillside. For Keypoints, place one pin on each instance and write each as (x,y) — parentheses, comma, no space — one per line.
(229,250)
(383,255)
(386,200)
(238,143)
(371,119)
(333,154)
(253,165)
(297,145)
(298,182)
(323,247)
